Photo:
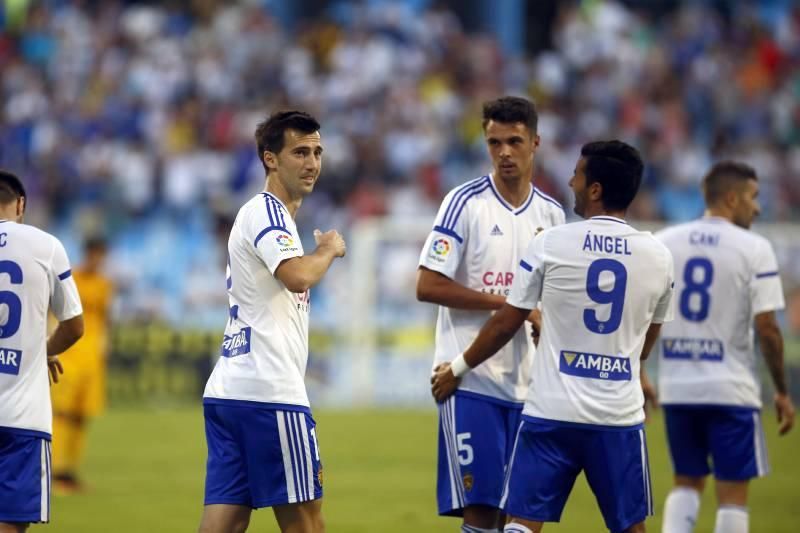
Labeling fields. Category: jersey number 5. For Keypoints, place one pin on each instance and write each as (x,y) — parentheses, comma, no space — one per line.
(11,300)
(615,296)
(705,268)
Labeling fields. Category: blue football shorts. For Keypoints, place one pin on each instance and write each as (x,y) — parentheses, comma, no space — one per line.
(549,455)
(476,435)
(24,477)
(260,455)
(732,438)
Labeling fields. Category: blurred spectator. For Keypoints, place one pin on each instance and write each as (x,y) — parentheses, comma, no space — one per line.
(141,115)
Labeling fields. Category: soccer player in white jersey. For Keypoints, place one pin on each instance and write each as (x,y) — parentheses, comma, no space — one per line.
(34,275)
(467,266)
(605,289)
(726,280)
(262,441)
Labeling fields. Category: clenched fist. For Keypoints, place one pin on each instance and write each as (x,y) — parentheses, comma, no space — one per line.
(332,240)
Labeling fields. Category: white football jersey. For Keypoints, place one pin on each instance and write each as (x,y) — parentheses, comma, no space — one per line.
(34,275)
(724,276)
(601,284)
(477,241)
(265,348)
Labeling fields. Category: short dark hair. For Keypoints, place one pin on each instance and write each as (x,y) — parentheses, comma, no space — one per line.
(96,243)
(511,109)
(269,134)
(11,188)
(618,167)
(724,175)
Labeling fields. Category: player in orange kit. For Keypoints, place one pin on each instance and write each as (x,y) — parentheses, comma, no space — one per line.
(81,391)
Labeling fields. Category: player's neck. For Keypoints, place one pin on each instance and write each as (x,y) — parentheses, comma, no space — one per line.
(718,213)
(515,192)
(597,210)
(8,213)
(276,188)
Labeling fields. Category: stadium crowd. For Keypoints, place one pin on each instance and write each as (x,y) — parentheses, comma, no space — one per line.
(136,120)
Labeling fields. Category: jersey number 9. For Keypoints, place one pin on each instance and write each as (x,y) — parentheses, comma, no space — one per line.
(615,296)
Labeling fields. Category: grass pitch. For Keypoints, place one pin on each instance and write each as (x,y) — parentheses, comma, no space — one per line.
(145,471)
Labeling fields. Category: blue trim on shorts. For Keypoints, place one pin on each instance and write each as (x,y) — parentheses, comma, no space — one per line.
(27,433)
(490,399)
(580,425)
(720,406)
(257,405)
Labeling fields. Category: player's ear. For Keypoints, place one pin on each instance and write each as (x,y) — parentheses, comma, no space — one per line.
(595,191)
(270,160)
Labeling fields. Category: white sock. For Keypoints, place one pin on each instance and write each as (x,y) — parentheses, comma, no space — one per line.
(516,528)
(680,510)
(732,519)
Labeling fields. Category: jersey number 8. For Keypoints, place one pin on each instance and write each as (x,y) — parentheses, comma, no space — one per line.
(706,270)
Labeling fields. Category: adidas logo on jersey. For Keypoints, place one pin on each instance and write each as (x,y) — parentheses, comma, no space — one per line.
(496,230)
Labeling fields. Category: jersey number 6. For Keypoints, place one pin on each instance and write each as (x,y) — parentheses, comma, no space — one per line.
(615,296)
(10,299)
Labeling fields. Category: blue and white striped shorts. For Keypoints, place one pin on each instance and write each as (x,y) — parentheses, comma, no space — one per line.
(24,477)
(260,455)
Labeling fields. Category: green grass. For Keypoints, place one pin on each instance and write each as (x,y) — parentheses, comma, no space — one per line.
(146,469)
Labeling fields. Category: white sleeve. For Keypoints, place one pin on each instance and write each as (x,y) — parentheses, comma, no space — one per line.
(444,246)
(664,311)
(273,235)
(766,291)
(526,289)
(65,302)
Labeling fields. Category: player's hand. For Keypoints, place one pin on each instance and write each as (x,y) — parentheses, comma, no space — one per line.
(331,239)
(650,395)
(535,318)
(785,411)
(443,382)
(54,365)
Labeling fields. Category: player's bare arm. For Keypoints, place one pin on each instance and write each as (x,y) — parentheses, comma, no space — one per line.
(497,331)
(650,339)
(434,287)
(771,341)
(299,274)
(65,335)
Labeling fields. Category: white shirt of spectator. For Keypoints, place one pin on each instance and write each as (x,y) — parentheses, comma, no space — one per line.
(601,284)
(35,275)
(477,241)
(265,348)
(724,276)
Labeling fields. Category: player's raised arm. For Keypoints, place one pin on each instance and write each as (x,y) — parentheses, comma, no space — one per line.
(301,273)
(771,342)
(501,327)
(493,336)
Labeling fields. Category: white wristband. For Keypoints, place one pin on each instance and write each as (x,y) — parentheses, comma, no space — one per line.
(459,366)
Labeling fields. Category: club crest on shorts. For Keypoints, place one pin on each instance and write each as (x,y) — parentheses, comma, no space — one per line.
(469,481)
(319,476)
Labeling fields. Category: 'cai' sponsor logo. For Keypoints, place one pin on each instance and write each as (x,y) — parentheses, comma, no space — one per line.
(284,240)
(693,349)
(497,282)
(596,366)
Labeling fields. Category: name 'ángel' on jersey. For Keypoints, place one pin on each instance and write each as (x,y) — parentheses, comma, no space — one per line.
(601,284)
(35,275)
(724,276)
(264,350)
(477,240)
